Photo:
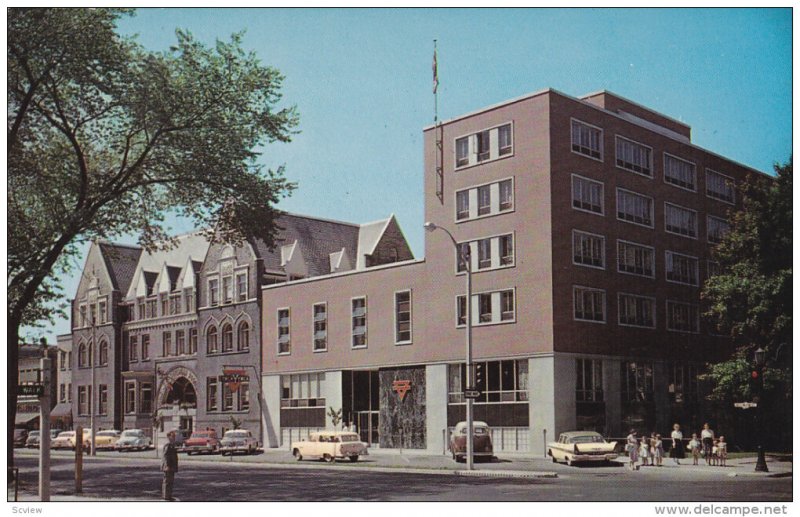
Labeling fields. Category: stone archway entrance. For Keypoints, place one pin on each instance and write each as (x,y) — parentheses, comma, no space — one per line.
(177,401)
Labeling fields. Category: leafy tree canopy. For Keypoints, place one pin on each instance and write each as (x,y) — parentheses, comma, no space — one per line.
(751,298)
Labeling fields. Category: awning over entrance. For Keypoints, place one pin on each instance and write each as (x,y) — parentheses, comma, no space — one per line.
(25,418)
(62,409)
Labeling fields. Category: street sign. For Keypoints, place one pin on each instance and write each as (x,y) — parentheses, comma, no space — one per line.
(472,394)
(234,377)
(30,390)
(745,405)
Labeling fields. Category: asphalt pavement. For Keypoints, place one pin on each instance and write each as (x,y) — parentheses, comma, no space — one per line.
(411,462)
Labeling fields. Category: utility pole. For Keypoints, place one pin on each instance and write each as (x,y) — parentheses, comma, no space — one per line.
(44,429)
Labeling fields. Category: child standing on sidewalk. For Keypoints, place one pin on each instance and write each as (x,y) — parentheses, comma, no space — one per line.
(644,451)
(715,453)
(722,451)
(695,446)
(658,450)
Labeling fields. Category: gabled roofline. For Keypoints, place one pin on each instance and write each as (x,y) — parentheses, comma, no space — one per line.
(323,219)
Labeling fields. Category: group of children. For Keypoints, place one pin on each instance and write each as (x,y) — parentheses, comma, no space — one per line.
(715,455)
(650,450)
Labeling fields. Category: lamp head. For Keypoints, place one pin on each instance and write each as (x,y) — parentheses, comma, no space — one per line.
(760,356)
(429,226)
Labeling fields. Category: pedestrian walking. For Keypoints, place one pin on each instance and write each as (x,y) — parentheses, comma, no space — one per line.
(632,447)
(169,465)
(695,447)
(652,449)
(707,438)
(676,451)
(658,451)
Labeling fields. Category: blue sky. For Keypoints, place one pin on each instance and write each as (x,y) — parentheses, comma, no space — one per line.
(361,81)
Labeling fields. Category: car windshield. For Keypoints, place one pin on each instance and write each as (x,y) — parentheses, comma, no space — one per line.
(236,434)
(202,434)
(131,433)
(68,434)
(107,433)
(33,433)
(587,438)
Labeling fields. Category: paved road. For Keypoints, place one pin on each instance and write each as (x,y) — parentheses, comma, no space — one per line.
(138,478)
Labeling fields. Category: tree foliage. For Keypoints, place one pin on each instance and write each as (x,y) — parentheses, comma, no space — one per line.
(105,137)
(751,298)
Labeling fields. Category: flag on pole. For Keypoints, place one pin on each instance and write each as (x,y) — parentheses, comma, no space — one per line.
(435,71)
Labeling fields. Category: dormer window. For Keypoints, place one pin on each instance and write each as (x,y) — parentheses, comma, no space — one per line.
(227,289)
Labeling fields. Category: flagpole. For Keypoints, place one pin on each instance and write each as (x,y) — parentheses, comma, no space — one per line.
(438,130)
(435,86)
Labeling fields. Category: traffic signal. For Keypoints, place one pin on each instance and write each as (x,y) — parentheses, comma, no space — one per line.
(479,378)
(754,382)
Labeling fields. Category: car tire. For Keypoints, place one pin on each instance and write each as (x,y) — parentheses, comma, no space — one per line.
(297,455)
(328,458)
(552,456)
(354,458)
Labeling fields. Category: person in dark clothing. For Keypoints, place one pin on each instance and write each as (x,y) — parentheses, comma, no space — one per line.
(169,465)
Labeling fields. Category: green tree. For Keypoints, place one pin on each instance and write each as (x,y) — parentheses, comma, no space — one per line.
(751,298)
(105,138)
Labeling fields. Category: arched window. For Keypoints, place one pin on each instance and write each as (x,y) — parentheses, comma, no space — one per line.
(82,355)
(103,353)
(91,353)
(243,336)
(182,392)
(211,340)
(227,338)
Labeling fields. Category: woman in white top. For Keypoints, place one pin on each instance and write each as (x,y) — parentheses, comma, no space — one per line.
(632,447)
(707,437)
(676,451)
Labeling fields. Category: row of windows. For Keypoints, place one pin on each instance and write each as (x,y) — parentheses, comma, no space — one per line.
(227,295)
(163,305)
(635,208)
(487,308)
(302,390)
(636,381)
(225,337)
(485,200)
(358,324)
(144,403)
(230,400)
(634,310)
(65,392)
(485,254)
(86,355)
(92,314)
(85,398)
(638,158)
(483,146)
(589,249)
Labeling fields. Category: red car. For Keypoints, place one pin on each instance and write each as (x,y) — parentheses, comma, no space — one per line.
(202,441)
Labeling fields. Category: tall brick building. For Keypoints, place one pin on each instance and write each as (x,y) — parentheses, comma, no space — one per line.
(590,224)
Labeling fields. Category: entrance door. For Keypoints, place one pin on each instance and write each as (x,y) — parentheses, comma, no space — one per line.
(187,422)
(368,427)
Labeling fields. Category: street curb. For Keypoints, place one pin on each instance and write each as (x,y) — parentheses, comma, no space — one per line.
(504,474)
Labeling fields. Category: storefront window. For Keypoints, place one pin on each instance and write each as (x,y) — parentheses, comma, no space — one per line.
(503,381)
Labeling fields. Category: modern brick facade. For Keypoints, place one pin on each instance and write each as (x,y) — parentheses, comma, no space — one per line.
(590,223)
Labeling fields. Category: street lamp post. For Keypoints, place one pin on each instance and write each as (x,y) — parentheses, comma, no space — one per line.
(93,352)
(465,257)
(761,361)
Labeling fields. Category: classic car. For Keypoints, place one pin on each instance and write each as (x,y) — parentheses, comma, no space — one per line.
(329,446)
(202,441)
(481,441)
(238,440)
(106,439)
(578,446)
(32,442)
(133,439)
(181,435)
(20,437)
(67,440)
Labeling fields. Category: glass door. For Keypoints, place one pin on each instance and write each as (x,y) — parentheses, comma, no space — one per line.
(367,422)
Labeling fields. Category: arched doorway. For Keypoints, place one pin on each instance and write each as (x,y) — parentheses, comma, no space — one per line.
(177,399)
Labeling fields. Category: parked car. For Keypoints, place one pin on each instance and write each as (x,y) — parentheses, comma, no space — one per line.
(133,439)
(481,441)
(20,437)
(579,446)
(329,446)
(238,440)
(67,440)
(106,439)
(202,441)
(32,442)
